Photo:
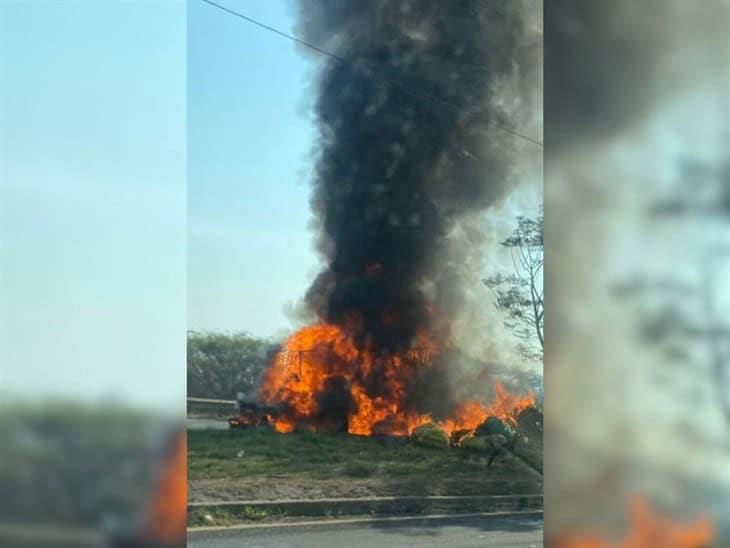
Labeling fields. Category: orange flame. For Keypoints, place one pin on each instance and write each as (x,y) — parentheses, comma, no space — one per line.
(647,529)
(166,520)
(320,352)
(505,406)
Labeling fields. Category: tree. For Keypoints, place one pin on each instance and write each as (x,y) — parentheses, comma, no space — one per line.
(222,365)
(520,294)
(689,325)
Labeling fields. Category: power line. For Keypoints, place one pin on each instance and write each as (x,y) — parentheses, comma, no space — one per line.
(344,61)
(276,31)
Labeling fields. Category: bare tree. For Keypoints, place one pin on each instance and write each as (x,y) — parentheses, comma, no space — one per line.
(520,294)
(688,325)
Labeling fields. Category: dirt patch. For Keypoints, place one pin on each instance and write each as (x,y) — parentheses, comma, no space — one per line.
(298,487)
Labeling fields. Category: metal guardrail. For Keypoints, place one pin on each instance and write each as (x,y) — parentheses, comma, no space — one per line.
(211,401)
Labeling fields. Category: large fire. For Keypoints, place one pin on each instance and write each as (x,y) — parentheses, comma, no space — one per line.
(319,357)
(646,529)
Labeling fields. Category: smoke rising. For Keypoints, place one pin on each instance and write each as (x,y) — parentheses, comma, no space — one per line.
(611,65)
(407,149)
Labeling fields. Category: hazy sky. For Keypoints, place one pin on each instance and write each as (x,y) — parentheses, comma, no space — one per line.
(92,200)
(250,139)
(250,142)
(96,215)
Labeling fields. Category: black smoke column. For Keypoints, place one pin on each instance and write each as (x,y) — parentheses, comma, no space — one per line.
(406,148)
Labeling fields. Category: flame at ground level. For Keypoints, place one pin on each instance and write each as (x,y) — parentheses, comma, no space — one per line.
(646,529)
(166,519)
(315,356)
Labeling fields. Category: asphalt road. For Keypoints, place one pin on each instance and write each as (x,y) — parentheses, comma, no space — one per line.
(524,531)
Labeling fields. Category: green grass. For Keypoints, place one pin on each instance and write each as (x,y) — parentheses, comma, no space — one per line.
(261,464)
(215,454)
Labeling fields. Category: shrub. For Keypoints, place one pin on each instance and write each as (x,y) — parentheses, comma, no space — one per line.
(485,444)
(430,435)
(493,426)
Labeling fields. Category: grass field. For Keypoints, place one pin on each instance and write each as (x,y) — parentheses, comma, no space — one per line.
(260,464)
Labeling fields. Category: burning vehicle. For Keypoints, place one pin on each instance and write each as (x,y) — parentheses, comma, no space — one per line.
(252,414)
(397,182)
(334,387)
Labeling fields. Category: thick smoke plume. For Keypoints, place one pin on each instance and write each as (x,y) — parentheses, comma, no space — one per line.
(408,148)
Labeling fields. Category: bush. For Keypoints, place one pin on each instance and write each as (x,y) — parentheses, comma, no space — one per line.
(430,435)
(485,444)
(493,426)
(530,422)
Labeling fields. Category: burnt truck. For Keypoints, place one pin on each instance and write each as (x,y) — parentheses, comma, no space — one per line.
(252,414)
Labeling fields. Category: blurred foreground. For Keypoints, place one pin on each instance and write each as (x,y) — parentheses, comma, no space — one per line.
(75,475)
(512,531)
(637,232)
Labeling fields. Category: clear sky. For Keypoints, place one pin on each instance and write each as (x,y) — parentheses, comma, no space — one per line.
(250,138)
(92,200)
(107,252)
(250,141)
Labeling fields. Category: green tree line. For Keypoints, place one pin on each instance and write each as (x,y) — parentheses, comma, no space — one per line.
(222,365)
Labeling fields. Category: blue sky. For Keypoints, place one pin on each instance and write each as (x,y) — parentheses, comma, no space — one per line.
(92,200)
(154,177)
(250,138)
(95,289)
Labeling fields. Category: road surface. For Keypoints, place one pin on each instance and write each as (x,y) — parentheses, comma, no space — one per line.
(523,531)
